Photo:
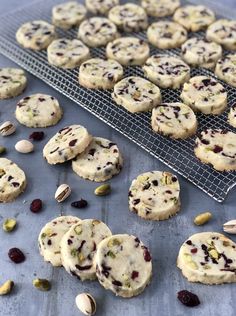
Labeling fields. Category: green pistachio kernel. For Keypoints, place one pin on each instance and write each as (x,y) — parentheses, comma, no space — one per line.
(2,150)
(42,284)
(9,224)
(6,288)
(103,189)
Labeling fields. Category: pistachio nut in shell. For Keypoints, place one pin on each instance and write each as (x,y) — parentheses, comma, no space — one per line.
(86,303)
(24,146)
(62,192)
(230,227)
(7,128)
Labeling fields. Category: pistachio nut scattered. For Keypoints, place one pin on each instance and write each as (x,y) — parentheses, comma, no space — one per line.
(42,284)
(9,224)
(6,288)
(230,227)
(103,189)
(202,218)
(2,150)
(62,192)
(24,146)
(7,128)
(86,303)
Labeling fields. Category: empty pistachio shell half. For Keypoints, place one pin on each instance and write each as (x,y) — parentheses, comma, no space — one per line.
(202,218)
(86,303)
(42,284)
(24,146)
(7,128)
(230,227)
(62,192)
(6,288)
(9,224)
(103,189)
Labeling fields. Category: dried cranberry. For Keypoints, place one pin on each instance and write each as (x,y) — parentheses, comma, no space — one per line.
(16,255)
(134,275)
(37,136)
(217,149)
(79,204)
(188,299)
(146,255)
(36,206)
(194,250)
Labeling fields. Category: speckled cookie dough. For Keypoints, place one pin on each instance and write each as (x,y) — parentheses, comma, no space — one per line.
(136,94)
(155,195)
(166,71)
(38,110)
(204,94)
(129,17)
(97,31)
(69,14)
(160,8)
(79,245)
(50,238)
(66,144)
(12,180)
(128,51)
(175,120)
(226,69)
(36,35)
(232,116)
(97,73)
(208,258)
(194,17)
(12,82)
(201,53)
(218,148)
(100,6)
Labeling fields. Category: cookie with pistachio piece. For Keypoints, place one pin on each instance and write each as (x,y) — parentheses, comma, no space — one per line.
(226,69)
(12,82)
(160,8)
(232,116)
(100,6)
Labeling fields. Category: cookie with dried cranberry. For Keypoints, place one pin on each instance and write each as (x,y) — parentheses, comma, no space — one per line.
(12,82)
(123,265)
(99,162)
(155,195)
(12,180)
(218,148)
(208,258)
(232,116)
(38,110)
(100,6)
(36,35)
(79,246)
(226,69)
(50,238)
(160,8)
(66,144)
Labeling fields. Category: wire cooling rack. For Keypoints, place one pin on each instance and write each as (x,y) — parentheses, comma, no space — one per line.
(175,153)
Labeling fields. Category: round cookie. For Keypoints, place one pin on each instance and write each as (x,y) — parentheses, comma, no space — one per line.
(66,144)
(155,195)
(69,14)
(128,51)
(208,258)
(36,35)
(50,238)
(99,162)
(123,265)
(79,245)
(200,52)
(226,69)
(166,71)
(38,110)
(194,17)
(136,94)
(100,6)
(12,180)
(66,53)
(175,120)
(232,116)
(204,94)
(160,8)
(223,32)
(97,31)
(129,17)
(97,73)
(166,34)
(12,82)
(218,148)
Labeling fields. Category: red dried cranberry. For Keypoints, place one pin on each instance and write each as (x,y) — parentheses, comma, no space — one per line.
(36,206)
(146,255)
(79,204)
(16,255)
(134,275)
(37,136)
(188,299)
(194,250)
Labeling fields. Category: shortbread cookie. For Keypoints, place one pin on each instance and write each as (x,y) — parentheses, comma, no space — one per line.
(194,17)
(175,120)
(124,265)
(66,53)
(50,238)
(69,14)
(166,71)
(36,35)
(232,116)
(160,8)
(12,82)
(223,32)
(218,148)
(226,69)
(136,94)
(128,51)
(97,31)
(166,34)
(97,73)
(12,180)
(204,94)
(155,195)
(38,110)
(66,144)
(200,52)
(129,17)
(208,258)
(79,245)
(99,162)
(100,6)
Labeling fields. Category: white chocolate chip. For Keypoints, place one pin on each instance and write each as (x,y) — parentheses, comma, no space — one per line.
(86,303)
(7,128)
(62,192)
(24,146)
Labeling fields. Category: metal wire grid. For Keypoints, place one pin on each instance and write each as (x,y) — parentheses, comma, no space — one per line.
(176,154)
